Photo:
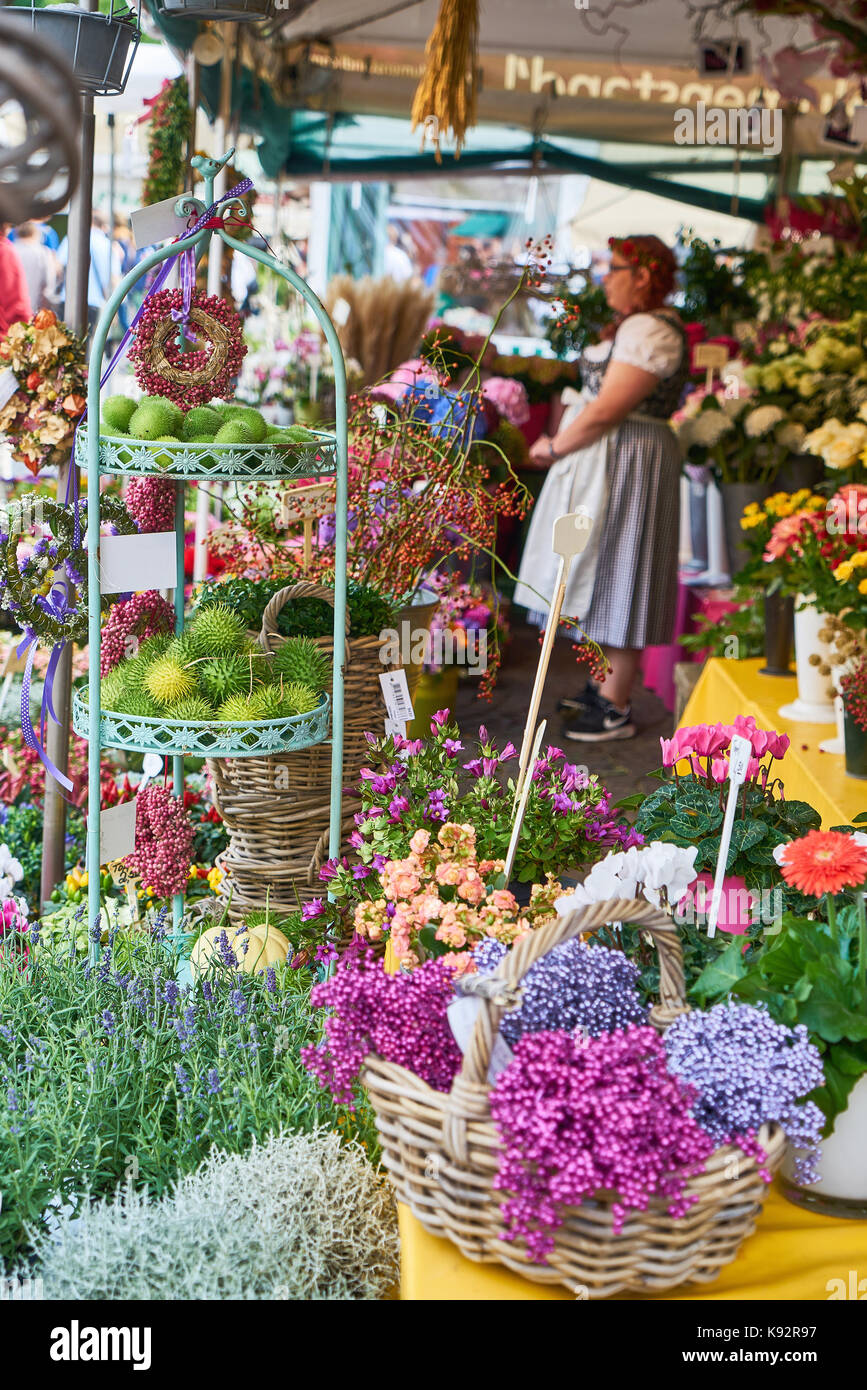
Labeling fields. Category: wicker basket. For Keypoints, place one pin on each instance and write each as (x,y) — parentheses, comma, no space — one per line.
(277,808)
(442,1151)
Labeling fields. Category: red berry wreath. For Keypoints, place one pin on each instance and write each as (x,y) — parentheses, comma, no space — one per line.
(205,370)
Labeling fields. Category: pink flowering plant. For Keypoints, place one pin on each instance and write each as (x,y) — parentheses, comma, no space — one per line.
(688,809)
(443,898)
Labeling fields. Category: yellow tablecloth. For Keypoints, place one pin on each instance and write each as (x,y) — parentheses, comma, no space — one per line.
(793,1254)
(726,689)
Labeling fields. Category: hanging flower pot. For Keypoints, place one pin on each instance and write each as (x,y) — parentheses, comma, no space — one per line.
(235,10)
(100,47)
(814,704)
(779,635)
(842,1188)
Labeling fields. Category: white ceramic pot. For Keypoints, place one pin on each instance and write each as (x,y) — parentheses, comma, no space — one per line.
(814,704)
(842,1190)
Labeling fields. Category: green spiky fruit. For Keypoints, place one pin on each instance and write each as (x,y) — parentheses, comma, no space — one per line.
(270,702)
(233,432)
(202,439)
(202,419)
(299,659)
(236,710)
(117,411)
(299,698)
(139,704)
(182,650)
(155,418)
(167,682)
(224,676)
(195,709)
(298,434)
(155,646)
(217,631)
(112,688)
(273,432)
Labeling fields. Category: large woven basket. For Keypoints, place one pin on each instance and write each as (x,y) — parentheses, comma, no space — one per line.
(442,1151)
(277,808)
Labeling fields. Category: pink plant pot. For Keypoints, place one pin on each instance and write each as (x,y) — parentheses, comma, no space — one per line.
(735,905)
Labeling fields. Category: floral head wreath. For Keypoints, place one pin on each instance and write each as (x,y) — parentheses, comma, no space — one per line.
(636,254)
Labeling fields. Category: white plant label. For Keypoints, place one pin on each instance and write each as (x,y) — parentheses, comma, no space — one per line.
(128,564)
(395,728)
(158,222)
(117,832)
(462,1014)
(739,758)
(8,386)
(395,692)
(152,766)
(341,311)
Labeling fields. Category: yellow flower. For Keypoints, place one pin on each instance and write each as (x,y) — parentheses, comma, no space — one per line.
(748,522)
(751,508)
(844,572)
(859,560)
(215,877)
(862,587)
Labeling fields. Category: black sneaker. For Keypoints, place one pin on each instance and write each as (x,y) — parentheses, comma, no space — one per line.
(588,698)
(601,723)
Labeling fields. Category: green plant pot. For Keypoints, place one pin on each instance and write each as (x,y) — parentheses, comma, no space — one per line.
(855,741)
(436,690)
(735,498)
(779,635)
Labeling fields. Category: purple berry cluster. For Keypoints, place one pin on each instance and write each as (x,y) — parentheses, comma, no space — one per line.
(574,986)
(577,1116)
(749,1071)
(142,616)
(402,1018)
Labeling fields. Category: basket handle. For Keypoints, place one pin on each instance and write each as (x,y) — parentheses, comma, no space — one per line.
(470,1088)
(303,589)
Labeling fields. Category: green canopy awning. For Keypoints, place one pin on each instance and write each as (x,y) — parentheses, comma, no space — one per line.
(482,224)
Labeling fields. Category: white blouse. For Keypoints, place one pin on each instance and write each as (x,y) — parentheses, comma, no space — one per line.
(645,341)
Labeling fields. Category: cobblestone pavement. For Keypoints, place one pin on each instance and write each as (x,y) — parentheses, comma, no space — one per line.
(621,765)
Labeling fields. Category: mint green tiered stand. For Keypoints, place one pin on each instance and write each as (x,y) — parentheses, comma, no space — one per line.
(208,462)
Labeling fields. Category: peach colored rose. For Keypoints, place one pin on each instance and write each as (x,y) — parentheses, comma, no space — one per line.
(420,841)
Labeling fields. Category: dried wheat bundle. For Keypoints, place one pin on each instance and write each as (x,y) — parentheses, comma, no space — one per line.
(445,99)
(385,322)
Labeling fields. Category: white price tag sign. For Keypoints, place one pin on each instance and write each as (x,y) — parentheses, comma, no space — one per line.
(341,311)
(128,564)
(117,832)
(396,695)
(8,386)
(157,222)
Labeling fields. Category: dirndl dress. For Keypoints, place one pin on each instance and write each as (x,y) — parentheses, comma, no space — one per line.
(626,584)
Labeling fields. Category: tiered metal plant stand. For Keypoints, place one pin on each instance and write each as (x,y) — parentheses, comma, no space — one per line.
(215,462)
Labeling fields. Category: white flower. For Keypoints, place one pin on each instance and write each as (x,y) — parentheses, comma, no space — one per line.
(10,867)
(709,427)
(778,851)
(763,419)
(655,869)
(791,436)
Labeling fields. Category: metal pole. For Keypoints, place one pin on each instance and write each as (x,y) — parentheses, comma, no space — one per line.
(112,156)
(75,313)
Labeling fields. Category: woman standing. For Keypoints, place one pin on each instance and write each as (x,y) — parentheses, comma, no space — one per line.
(615,454)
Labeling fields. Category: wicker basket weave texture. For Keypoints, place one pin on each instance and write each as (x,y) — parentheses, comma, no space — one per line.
(443,1151)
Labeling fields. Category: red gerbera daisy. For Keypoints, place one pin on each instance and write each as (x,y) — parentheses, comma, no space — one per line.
(824,861)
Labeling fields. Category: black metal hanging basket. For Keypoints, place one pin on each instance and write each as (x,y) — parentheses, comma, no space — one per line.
(238,11)
(100,47)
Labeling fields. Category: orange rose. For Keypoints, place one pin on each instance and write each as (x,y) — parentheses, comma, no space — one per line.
(46,318)
(72,405)
(33,381)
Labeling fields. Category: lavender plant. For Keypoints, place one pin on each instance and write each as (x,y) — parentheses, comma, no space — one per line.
(112,1071)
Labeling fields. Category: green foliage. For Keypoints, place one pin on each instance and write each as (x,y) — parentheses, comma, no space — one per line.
(738,636)
(685,812)
(369,611)
(168,133)
(106,1076)
(22,832)
(300,1217)
(713,294)
(585,314)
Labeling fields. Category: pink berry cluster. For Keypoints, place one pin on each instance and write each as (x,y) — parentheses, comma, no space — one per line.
(402,1018)
(163,842)
(151,504)
(194,362)
(141,617)
(578,1116)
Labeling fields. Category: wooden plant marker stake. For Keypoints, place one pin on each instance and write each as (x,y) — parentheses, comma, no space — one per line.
(570,537)
(739,757)
(713,356)
(302,504)
(522,805)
